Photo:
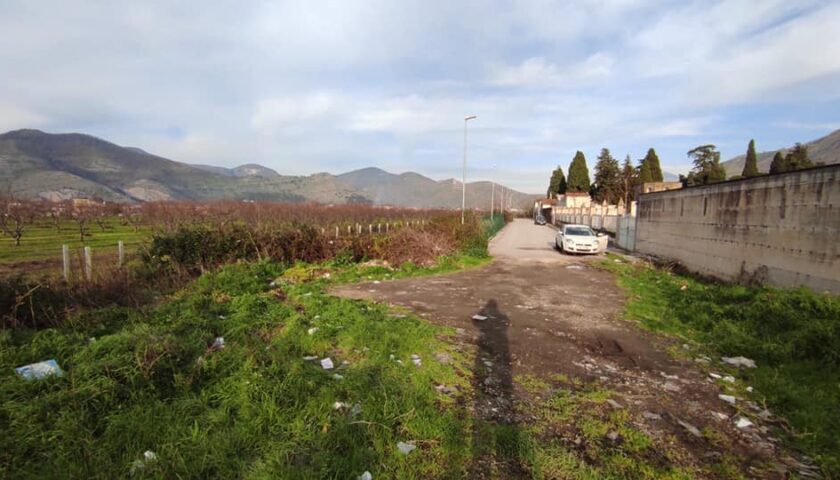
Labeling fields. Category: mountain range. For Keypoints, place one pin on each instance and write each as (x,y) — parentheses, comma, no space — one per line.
(61,166)
(822,150)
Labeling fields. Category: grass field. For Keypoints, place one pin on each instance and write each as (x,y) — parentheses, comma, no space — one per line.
(42,242)
(150,379)
(793,335)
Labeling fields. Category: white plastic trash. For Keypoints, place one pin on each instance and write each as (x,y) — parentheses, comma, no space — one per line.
(218,343)
(743,422)
(312,330)
(37,371)
(365,476)
(479,318)
(327,363)
(739,361)
(405,448)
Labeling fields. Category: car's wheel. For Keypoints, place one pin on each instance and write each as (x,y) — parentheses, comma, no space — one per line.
(558,246)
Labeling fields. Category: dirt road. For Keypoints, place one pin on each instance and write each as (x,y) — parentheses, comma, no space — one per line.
(548,314)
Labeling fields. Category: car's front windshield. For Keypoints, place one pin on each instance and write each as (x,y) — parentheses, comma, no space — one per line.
(580,231)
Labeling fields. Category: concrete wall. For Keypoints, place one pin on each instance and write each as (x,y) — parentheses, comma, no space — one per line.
(780,229)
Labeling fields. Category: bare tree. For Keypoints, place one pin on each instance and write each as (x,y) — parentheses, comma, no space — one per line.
(15,215)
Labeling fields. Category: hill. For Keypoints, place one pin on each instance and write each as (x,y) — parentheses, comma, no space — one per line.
(60,166)
(413,189)
(825,150)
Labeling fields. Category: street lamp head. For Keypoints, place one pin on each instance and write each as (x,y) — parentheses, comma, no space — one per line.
(471,117)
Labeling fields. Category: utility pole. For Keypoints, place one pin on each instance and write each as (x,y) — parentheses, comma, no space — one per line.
(464,170)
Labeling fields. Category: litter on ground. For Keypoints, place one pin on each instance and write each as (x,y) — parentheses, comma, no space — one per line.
(739,361)
(743,422)
(479,318)
(727,398)
(312,330)
(405,448)
(218,343)
(37,371)
(365,476)
(327,363)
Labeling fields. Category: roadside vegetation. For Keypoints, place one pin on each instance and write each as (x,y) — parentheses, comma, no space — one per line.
(223,376)
(793,335)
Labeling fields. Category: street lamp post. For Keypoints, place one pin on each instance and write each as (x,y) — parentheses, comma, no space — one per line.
(464,172)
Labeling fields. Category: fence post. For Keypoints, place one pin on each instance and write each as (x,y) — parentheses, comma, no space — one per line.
(88,264)
(120,253)
(358,229)
(65,257)
(370,228)
(349,230)
(379,228)
(336,232)
(387,227)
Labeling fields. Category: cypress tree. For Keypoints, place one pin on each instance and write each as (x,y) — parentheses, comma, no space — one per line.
(645,175)
(779,164)
(751,163)
(578,174)
(652,161)
(557,184)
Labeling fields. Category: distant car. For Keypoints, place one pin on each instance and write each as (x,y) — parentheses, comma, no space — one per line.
(539,220)
(577,239)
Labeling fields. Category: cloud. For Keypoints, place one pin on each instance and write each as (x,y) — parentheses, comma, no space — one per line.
(537,71)
(352,83)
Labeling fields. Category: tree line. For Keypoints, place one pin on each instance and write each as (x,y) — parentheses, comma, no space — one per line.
(614,183)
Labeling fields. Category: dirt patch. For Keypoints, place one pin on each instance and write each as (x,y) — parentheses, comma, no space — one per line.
(546,319)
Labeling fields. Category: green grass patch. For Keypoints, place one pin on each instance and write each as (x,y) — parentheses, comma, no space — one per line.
(792,334)
(42,241)
(138,380)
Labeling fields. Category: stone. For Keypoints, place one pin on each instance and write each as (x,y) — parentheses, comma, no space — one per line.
(652,416)
(727,398)
(743,422)
(690,428)
(739,362)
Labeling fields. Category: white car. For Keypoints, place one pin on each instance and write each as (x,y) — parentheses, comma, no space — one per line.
(577,239)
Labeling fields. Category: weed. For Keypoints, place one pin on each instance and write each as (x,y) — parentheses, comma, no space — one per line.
(792,334)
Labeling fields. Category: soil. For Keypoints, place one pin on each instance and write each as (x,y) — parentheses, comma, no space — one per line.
(550,313)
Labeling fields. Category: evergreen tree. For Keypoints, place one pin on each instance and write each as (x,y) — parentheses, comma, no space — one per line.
(557,184)
(628,181)
(707,167)
(607,178)
(797,158)
(652,161)
(779,164)
(578,174)
(751,163)
(645,175)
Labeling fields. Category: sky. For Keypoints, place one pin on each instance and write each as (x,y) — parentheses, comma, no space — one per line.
(313,86)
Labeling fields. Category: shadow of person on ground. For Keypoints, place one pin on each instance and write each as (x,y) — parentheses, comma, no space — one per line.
(496,439)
